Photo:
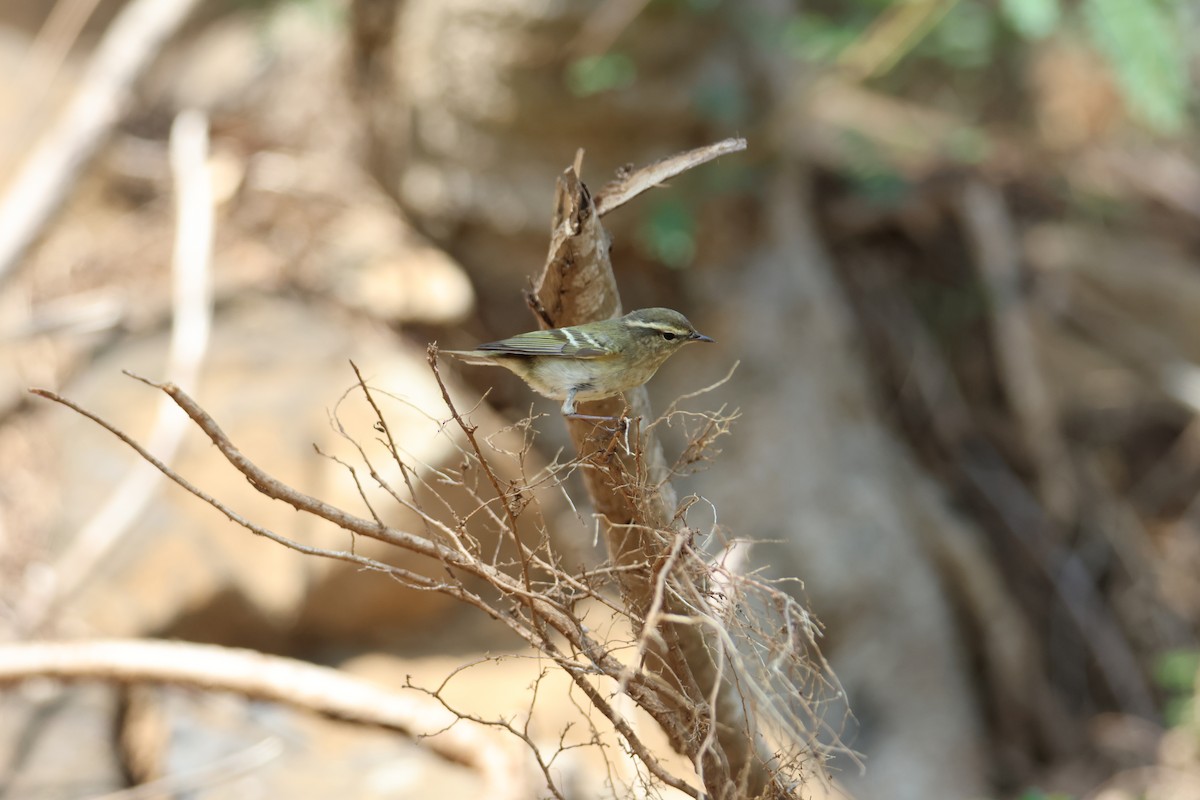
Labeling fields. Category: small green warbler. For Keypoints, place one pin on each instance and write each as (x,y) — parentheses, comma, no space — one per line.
(590,361)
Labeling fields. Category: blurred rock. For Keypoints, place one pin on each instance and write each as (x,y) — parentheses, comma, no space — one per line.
(380,266)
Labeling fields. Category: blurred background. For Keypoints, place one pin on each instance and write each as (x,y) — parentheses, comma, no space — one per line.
(958,268)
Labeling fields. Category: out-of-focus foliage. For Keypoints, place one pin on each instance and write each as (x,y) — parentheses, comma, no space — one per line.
(983,61)
(606,72)
(1147,44)
(1176,673)
(669,233)
(1032,19)
(1038,794)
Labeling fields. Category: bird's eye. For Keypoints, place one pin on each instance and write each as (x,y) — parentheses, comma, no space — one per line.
(669,336)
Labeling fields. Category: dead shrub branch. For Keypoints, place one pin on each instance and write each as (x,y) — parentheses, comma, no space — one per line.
(724,663)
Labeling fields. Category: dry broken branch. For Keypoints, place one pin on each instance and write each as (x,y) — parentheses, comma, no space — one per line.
(684,641)
(620,191)
(319,689)
(725,664)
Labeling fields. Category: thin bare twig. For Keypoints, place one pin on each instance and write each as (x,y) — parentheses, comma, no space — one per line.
(392,448)
(550,610)
(501,495)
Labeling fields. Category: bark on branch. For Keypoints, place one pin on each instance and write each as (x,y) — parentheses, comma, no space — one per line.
(644,522)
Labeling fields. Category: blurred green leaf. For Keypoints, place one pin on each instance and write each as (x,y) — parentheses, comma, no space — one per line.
(1176,670)
(1179,711)
(1038,794)
(721,102)
(1148,54)
(969,145)
(811,37)
(602,73)
(1032,19)
(669,233)
(965,37)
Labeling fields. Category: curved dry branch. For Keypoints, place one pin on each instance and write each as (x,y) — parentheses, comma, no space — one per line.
(323,690)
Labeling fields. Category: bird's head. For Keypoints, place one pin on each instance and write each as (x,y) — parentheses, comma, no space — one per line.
(658,332)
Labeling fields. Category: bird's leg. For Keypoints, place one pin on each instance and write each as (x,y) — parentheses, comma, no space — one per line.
(568,409)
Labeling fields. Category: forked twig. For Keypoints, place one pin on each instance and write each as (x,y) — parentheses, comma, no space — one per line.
(596,658)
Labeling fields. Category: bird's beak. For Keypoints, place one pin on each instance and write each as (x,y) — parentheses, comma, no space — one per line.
(699,337)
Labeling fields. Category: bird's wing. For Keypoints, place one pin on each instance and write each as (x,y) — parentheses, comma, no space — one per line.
(557,342)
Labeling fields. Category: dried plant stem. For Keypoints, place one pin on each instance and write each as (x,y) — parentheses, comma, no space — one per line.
(635,498)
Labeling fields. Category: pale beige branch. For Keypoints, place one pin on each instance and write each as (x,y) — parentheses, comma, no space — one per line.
(130,45)
(322,690)
(191,322)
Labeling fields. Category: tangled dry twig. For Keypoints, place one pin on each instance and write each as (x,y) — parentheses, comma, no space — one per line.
(725,663)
